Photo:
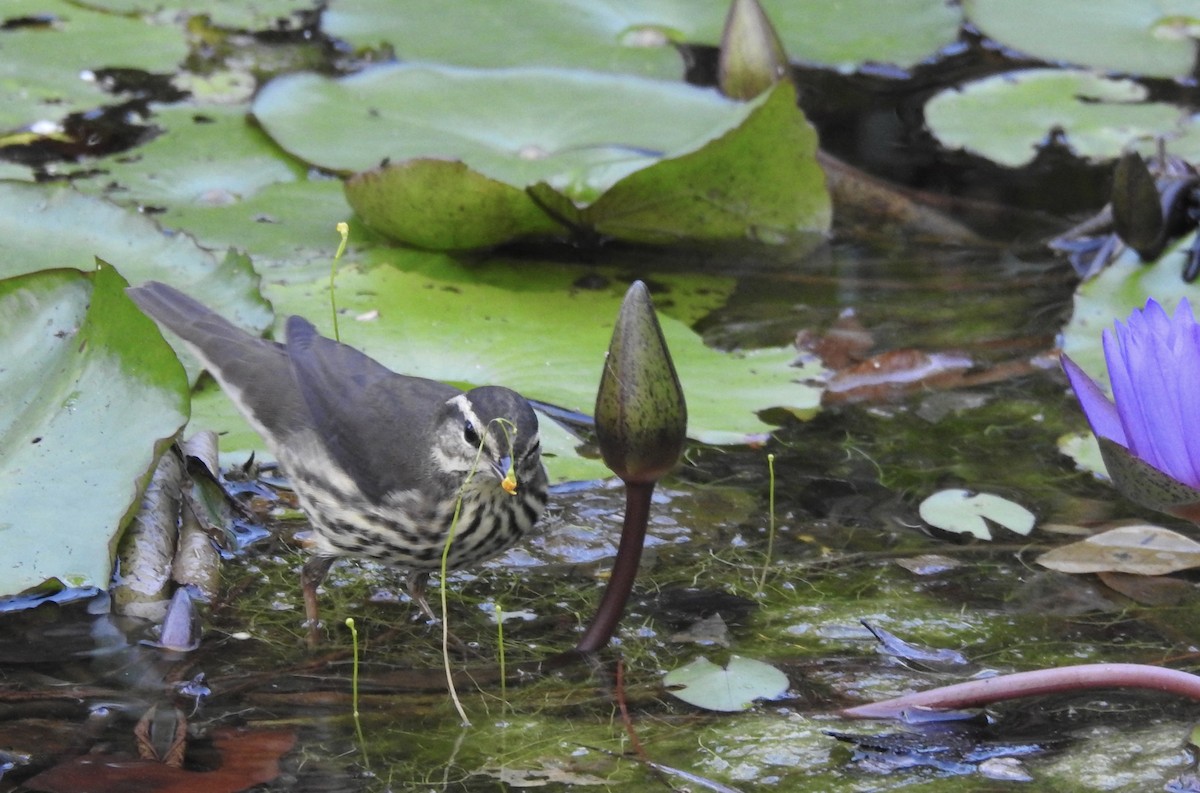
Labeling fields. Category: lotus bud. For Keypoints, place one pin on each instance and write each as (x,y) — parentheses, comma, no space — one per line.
(641,416)
(751,58)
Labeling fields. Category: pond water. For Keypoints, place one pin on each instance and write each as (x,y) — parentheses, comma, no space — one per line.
(848,547)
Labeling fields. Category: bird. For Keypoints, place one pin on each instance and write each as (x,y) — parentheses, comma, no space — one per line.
(383,464)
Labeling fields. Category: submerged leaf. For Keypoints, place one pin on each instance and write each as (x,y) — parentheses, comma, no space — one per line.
(735,687)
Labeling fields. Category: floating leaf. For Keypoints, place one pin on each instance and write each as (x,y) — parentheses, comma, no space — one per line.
(635,36)
(542,150)
(90,392)
(735,687)
(1143,550)
(1007,117)
(47,71)
(969,513)
(1148,37)
(83,228)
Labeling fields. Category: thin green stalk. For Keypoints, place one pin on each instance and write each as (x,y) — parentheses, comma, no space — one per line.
(362,744)
(762,581)
(343,228)
(500,644)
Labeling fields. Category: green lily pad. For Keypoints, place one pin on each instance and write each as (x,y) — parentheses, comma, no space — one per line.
(759,181)
(46,71)
(92,394)
(1155,38)
(255,15)
(290,226)
(1006,117)
(634,36)
(970,513)
(206,157)
(575,134)
(733,688)
(445,205)
(83,227)
(1123,286)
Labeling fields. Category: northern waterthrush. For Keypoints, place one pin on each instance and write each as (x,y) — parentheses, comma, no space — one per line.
(383,464)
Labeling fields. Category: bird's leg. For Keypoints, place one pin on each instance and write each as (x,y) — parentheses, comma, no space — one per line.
(311,576)
(416,590)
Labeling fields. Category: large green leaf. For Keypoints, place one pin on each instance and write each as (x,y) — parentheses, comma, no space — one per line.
(760,181)
(91,391)
(82,227)
(1155,38)
(1008,116)
(206,156)
(245,15)
(579,131)
(633,36)
(48,71)
(633,159)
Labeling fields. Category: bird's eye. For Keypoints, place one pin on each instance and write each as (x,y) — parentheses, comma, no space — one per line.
(470,435)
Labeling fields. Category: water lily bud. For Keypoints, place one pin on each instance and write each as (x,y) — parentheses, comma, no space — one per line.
(641,416)
(751,58)
(1147,431)
(1137,214)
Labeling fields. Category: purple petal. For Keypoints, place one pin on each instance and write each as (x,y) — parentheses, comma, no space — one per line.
(1100,411)
(1152,363)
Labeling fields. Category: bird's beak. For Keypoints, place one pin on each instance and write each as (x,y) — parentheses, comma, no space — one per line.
(508,474)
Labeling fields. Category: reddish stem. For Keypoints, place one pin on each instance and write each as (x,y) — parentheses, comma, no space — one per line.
(1029,684)
(624,571)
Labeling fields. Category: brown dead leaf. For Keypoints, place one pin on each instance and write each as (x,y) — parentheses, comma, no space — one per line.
(248,758)
(894,374)
(1141,550)
(846,342)
(1149,590)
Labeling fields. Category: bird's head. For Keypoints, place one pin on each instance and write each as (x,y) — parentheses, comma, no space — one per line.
(491,433)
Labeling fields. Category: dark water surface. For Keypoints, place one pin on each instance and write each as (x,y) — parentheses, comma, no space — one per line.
(849,547)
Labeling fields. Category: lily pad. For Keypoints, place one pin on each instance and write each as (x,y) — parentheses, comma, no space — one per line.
(1115,292)
(48,71)
(570,135)
(733,688)
(255,15)
(92,393)
(1007,117)
(1140,550)
(1155,38)
(83,227)
(206,157)
(967,512)
(634,36)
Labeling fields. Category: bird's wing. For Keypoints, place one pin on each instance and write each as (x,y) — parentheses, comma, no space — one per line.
(373,422)
(253,371)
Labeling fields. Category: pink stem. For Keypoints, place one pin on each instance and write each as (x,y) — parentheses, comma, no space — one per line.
(625,567)
(1030,684)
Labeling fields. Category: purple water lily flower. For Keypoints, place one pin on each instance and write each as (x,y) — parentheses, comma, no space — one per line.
(1153,418)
